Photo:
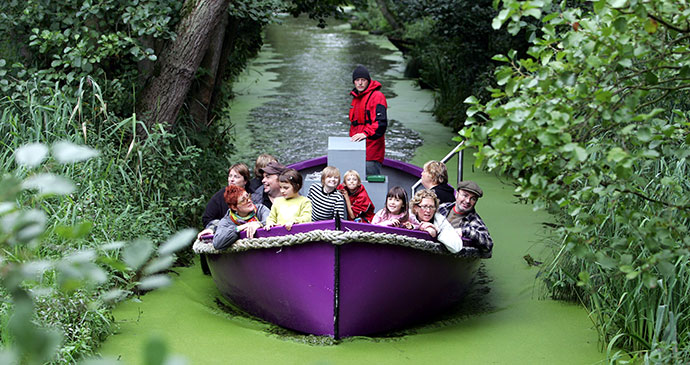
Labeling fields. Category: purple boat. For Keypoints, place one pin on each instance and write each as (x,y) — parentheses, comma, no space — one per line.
(344,279)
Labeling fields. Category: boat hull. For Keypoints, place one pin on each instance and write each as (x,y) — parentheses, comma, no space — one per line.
(353,289)
(290,286)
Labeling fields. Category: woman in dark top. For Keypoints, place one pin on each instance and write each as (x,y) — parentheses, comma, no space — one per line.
(238,175)
(435,178)
(217,208)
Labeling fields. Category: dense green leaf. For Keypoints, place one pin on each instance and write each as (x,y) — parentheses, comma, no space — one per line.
(49,184)
(137,253)
(154,282)
(159,264)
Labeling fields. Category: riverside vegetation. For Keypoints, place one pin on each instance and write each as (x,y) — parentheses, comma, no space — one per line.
(592,123)
(69,220)
(589,117)
(585,105)
(91,195)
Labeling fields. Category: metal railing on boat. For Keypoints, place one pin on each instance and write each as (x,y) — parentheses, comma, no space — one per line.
(459,151)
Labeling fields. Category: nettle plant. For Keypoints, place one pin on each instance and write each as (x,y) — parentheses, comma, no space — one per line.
(102,273)
(589,117)
(593,125)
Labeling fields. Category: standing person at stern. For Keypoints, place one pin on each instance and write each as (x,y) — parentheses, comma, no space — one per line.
(368,118)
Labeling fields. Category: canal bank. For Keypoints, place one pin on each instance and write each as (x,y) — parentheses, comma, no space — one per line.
(512,324)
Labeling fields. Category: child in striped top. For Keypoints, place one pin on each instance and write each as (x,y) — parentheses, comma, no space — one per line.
(326,201)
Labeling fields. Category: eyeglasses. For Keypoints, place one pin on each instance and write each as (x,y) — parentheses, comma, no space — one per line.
(243,200)
(427,207)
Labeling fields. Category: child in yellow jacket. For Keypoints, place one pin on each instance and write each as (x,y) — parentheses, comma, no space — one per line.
(291,207)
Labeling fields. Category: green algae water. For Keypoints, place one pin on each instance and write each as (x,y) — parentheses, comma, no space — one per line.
(300,82)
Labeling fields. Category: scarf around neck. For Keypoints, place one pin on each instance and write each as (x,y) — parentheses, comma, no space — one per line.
(235,218)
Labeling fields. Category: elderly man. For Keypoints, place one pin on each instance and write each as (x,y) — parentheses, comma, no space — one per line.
(464,218)
(271,185)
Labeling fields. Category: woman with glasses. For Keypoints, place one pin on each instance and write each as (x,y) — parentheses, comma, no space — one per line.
(243,215)
(424,205)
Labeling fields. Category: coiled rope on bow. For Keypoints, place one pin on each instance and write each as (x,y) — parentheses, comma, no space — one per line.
(334,237)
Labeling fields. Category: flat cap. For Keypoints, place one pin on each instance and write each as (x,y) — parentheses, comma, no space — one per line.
(273,168)
(471,186)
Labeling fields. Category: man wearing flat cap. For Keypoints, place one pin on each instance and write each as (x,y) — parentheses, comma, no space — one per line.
(464,218)
(271,186)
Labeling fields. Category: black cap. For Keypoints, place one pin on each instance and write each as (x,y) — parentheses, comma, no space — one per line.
(273,168)
(471,186)
(360,72)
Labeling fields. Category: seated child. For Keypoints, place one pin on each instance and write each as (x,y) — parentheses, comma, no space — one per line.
(396,212)
(326,202)
(359,205)
(290,208)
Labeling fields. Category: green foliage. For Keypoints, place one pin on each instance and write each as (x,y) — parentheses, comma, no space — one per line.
(62,206)
(593,126)
(369,17)
(451,45)
(318,10)
(257,12)
(63,41)
(62,298)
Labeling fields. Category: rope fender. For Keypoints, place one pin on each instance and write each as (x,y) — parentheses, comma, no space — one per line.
(334,237)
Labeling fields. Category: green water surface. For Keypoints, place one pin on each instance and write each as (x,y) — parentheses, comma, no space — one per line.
(512,325)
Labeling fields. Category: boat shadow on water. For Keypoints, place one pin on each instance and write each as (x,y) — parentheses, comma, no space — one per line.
(475,303)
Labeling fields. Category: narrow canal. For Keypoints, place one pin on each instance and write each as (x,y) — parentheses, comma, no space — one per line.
(291,98)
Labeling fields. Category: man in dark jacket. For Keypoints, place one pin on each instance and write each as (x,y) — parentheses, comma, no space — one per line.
(271,186)
(368,118)
(464,218)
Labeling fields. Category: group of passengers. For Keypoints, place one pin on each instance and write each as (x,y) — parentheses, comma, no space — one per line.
(448,216)
(438,209)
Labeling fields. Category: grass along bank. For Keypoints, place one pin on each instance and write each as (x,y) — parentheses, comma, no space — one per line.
(129,190)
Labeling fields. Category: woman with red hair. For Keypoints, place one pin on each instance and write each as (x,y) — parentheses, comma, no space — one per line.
(242,215)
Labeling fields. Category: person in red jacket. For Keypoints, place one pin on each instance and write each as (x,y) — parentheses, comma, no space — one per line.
(368,118)
(359,205)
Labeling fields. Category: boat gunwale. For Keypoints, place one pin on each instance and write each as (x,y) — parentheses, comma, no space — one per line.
(323,160)
(304,233)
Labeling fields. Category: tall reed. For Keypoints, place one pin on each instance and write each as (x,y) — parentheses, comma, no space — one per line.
(649,319)
(138,187)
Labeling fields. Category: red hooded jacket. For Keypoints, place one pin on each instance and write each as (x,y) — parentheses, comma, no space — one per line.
(368,116)
(360,203)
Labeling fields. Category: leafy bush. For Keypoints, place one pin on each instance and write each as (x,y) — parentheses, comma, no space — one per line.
(593,126)
(452,43)
(56,306)
(368,17)
(59,269)
(110,40)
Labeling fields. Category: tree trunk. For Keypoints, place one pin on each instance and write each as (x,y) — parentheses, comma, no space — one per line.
(202,93)
(229,43)
(162,98)
(387,15)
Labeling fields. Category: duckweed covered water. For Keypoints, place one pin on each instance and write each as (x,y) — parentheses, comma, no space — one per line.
(299,83)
